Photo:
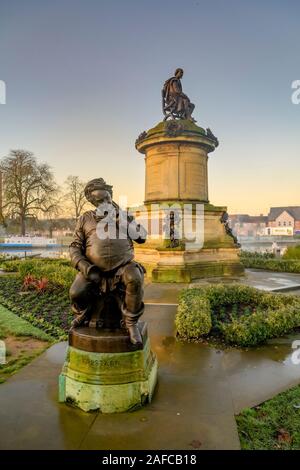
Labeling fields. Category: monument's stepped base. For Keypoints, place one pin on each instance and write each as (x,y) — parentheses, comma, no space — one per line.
(176,156)
(172,266)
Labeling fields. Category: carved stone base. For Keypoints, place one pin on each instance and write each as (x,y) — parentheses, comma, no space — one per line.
(217,257)
(99,378)
(199,269)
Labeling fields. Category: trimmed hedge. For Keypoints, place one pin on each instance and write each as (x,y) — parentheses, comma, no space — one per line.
(293,252)
(194,315)
(239,315)
(269,263)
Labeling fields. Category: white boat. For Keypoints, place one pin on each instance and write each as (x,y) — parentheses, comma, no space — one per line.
(29,242)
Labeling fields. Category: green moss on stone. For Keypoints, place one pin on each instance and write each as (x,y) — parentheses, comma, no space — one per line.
(171,275)
(187,125)
(198,270)
(211,208)
(215,244)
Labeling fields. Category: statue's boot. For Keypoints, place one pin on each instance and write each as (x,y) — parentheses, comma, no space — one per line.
(135,335)
(131,320)
(81,317)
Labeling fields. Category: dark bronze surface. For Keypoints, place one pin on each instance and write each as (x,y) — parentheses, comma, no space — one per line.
(107,293)
(105,340)
(175,104)
(211,136)
(225,221)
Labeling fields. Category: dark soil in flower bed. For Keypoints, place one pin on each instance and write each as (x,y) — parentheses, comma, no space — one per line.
(49,310)
(227,313)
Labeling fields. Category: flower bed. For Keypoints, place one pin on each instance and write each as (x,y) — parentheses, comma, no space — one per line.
(236,314)
(49,309)
(58,272)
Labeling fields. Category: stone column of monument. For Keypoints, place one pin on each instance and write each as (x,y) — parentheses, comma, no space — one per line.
(176,154)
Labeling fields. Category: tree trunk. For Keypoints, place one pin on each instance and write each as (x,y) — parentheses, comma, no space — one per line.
(23,225)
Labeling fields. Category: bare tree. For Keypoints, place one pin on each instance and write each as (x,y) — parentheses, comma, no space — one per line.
(28,186)
(51,210)
(75,195)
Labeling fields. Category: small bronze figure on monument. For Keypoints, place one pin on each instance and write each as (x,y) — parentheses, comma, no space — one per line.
(108,290)
(175,104)
(225,221)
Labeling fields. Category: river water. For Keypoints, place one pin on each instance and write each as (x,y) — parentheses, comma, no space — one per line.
(55,252)
(62,251)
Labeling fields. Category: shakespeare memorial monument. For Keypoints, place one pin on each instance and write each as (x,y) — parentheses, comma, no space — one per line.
(188,237)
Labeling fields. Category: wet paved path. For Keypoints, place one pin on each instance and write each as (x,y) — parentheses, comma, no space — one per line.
(199,391)
(192,407)
(272,281)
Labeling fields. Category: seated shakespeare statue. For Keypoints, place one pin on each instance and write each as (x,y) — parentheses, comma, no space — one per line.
(102,251)
(174,102)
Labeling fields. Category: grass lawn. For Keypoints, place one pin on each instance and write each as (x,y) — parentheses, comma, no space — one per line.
(274,425)
(22,341)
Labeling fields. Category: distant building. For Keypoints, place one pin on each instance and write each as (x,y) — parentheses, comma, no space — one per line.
(288,216)
(244,225)
(279,231)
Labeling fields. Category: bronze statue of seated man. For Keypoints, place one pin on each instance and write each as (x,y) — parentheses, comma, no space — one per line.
(175,103)
(102,251)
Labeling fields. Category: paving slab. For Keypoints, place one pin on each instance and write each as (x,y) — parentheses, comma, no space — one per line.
(167,294)
(163,430)
(271,281)
(31,417)
(258,374)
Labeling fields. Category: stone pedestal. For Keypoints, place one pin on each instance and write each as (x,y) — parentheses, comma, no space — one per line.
(176,156)
(103,371)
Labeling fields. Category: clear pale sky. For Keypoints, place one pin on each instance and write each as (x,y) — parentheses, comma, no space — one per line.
(84,79)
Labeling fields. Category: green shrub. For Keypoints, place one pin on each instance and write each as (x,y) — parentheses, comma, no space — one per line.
(193,317)
(240,315)
(256,254)
(269,263)
(262,325)
(221,294)
(293,252)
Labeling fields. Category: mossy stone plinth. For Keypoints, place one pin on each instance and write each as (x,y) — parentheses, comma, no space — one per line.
(218,257)
(110,382)
(199,270)
(171,274)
